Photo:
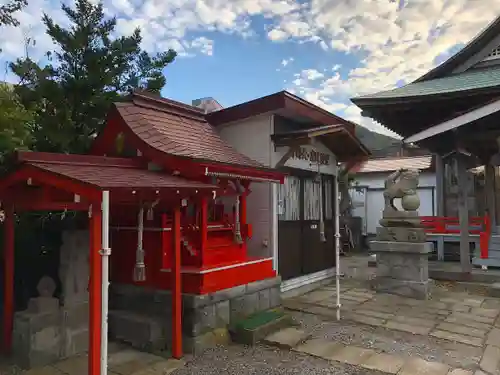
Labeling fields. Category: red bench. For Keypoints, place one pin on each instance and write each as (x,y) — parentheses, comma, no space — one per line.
(478,225)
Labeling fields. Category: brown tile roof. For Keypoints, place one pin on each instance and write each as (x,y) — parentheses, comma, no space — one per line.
(178,129)
(106,173)
(393,164)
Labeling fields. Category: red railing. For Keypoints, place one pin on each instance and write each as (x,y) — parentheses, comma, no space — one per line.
(480,225)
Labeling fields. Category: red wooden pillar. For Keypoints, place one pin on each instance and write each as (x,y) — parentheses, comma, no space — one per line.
(8,297)
(95,292)
(204,225)
(176,286)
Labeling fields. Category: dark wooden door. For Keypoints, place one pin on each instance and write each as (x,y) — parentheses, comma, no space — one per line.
(301,250)
(316,254)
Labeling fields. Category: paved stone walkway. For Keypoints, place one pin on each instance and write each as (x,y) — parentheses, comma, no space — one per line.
(122,361)
(470,320)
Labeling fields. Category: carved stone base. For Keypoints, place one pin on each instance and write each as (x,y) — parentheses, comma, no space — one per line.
(401,234)
(402,268)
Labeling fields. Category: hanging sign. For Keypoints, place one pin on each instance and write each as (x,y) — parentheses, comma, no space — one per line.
(312,156)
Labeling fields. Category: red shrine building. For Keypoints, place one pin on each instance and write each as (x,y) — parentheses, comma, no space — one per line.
(175,249)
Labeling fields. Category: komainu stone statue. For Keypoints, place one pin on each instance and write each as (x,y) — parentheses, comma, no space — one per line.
(400,248)
(403,185)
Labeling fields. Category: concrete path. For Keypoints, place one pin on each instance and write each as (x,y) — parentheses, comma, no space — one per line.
(470,322)
(122,361)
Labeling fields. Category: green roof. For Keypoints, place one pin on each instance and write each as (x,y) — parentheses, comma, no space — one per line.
(469,80)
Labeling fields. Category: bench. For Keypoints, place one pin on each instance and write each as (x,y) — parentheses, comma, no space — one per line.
(447,229)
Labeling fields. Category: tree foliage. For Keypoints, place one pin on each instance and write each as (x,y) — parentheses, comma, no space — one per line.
(89,70)
(16,123)
(7,12)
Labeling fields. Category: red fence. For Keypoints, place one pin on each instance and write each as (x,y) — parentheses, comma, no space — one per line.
(480,225)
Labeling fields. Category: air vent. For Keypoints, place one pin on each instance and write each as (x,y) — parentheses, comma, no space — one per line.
(495,54)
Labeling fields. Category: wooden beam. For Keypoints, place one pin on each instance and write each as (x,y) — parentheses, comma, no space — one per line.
(489,187)
(51,206)
(8,268)
(440,185)
(463,213)
(176,286)
(95,292)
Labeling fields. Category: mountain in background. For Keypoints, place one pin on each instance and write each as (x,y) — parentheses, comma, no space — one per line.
(381,145)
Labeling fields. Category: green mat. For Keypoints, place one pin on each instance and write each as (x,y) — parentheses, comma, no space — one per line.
(259,319)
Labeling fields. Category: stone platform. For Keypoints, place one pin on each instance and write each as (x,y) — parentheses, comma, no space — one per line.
(402,268)
(141,317)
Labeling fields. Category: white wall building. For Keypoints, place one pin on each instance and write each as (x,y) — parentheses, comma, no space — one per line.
(367,195)
(286,132)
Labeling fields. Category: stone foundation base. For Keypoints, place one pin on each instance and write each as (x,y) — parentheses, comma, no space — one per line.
(141,317)
(42,338)
(402,268)
(412,289)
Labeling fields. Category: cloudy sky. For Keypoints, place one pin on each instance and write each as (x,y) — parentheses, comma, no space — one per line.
(325,51)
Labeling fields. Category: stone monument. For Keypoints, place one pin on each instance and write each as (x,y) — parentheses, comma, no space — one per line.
(400,246)
(50,328)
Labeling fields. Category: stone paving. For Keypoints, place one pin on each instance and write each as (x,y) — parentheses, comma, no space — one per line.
(472,321)
(122,361)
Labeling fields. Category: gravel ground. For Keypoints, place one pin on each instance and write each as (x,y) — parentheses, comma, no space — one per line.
(262,360)
(391,341)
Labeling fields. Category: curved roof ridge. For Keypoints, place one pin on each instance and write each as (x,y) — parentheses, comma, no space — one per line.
(474,46)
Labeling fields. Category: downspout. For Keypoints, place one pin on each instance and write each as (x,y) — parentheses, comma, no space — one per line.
(105,253)
(140,268)
(337,239)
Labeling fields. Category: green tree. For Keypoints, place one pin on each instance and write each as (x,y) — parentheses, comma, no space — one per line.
(7,12)
(15,123)
(89,70)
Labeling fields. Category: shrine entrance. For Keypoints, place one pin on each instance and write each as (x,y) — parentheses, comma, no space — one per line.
(304,198)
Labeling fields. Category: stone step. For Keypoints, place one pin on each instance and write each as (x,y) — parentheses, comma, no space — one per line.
(287,338)
(490,262)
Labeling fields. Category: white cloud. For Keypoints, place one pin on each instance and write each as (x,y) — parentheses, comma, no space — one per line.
(392,40)
(285,62)
(312,74)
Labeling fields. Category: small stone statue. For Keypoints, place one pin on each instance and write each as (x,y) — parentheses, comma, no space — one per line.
(45,301)
(401,184)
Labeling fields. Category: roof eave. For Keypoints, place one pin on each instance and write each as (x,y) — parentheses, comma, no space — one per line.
(366,103)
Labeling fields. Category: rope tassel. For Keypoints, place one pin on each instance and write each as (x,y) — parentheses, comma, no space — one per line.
(140,267)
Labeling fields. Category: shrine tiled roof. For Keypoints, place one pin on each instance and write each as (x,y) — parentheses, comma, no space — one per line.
(178,129)
(472,80)
(394,163)
(105,172)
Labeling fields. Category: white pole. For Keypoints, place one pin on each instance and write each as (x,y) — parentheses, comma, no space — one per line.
(337,240)
(105,253)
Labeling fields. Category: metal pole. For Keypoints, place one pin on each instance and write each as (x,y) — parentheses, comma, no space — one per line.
(105,253)
(337,240)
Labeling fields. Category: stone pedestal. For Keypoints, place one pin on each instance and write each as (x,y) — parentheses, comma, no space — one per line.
(49,330)
(402,268)
(141,317)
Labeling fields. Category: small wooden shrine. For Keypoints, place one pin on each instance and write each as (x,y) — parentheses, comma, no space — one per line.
(168,196)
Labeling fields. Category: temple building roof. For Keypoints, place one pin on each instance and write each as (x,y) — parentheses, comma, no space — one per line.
(178,129)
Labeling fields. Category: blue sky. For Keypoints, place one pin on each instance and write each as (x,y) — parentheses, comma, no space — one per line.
(325,51)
